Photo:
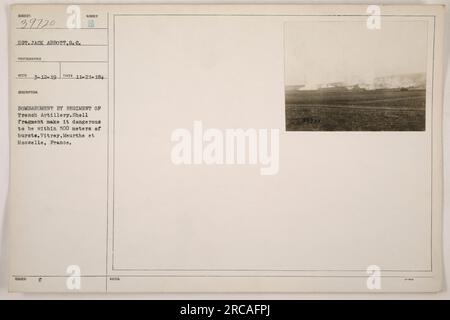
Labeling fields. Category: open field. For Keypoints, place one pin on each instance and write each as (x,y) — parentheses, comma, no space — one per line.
(355,110)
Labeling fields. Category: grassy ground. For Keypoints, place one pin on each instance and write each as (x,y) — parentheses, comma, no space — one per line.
(371,110)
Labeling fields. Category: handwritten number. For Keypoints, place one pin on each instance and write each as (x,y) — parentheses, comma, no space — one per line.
(34,23)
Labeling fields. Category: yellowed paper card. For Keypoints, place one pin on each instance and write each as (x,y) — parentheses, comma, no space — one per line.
(226,148)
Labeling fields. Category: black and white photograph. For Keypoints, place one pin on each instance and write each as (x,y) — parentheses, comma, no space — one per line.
(344,76)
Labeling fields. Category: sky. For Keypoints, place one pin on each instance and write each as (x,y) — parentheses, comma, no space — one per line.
(347,51)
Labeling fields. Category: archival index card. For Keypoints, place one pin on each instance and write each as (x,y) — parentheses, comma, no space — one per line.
(233,148)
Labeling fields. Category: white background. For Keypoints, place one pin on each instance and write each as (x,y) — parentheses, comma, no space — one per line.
(4,176)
